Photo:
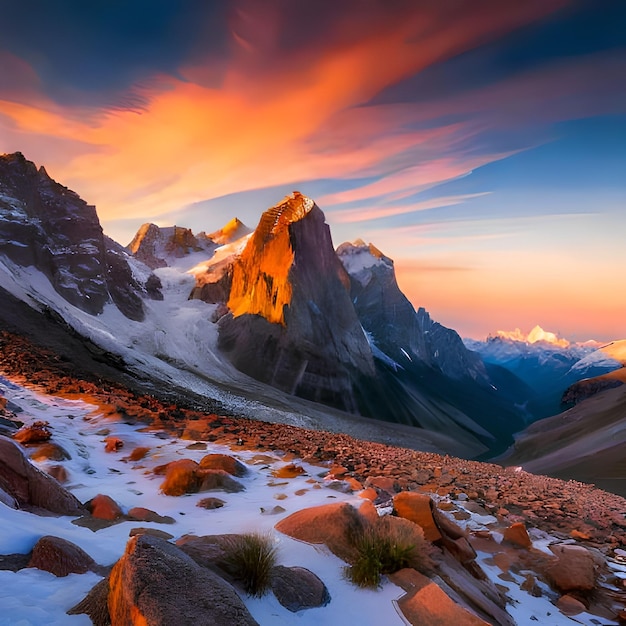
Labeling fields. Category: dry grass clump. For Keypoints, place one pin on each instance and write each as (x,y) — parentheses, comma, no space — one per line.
(386,546)
(249,559)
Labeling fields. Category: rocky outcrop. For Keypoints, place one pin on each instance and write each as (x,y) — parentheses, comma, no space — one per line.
(584,389)
(156,246)
(291,322)
(29,486)
(395,328)
(156,584)
(45,225)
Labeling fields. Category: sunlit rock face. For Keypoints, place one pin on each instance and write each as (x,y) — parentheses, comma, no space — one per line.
(156,246)
(233,230)
(45,225)
(395,328)
(291,322)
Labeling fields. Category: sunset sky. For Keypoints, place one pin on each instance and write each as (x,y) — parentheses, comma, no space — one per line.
(479,143)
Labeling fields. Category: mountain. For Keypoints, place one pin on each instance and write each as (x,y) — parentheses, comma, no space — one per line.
(547,364)
(276,304)
(46,226)
(157,247)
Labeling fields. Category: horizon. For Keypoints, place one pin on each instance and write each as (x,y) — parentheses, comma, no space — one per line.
(480,148)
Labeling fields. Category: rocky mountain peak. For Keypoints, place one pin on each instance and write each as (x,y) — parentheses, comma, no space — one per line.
(233,230)
(45,225)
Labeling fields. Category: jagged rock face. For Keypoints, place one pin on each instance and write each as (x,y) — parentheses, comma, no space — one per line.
(292,323)
(45,225)
(395,328)
(156,246)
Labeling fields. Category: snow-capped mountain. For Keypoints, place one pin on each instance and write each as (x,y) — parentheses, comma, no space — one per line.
(547,363)
(209,311)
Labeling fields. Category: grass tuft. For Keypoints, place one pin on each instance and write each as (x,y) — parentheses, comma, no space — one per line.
(249,559)
(384,548)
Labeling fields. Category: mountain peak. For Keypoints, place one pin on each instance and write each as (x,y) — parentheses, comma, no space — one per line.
(536,335)
(231,231)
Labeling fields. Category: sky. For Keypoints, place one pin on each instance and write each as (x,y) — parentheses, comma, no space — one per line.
(481,144)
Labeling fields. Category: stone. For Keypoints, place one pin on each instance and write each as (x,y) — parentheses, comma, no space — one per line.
(60,557)
(113,444)
(95,605)
(225,463)
(425,603)
(210,503)
(218,480)
(180,478)
(568,605)
(154,532)
(331,524)
(104,507)
(59,473)
(142,514)
(49,452)
(291,470)
(138,453)
(35,433)
(297,588)
(29,486)
(574,569)
(156,584)
(517,535)
(417,508)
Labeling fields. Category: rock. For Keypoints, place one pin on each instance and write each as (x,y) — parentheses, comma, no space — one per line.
(49,452)
(331,524)
(574,569)
(8,500)
(142,514)
(60,557)
(138,453)
(154,532)
(113,444)
(157,584)
(517,535)
(181,478)
(210,503)
(425,603)
(31,487)
(275,510)
(297,588)
(218,480)
(568,605)
(291,470)
(417,508)
(35,433)
(225,463)
(104,507)
(95,605)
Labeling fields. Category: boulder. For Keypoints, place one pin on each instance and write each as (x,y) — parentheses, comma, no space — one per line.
(517,535)
(568,605)
(180,478)
(574,569)
(417,508)
(104,507)
(218,480)
(60,557)
(332,524)
(225,463)
(426,603)
(35,433)
(156,584)
(297,588)
(95,605)
(49,452)
(29,486)
(142,514)
(113,444)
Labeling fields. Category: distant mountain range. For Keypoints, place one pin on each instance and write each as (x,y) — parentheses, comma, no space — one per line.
(273,322)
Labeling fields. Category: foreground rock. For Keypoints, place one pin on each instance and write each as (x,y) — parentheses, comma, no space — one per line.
(297,588)
(29,486)
(156,584)
(60,557)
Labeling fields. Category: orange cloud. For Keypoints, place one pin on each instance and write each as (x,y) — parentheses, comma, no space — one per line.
(266,122)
